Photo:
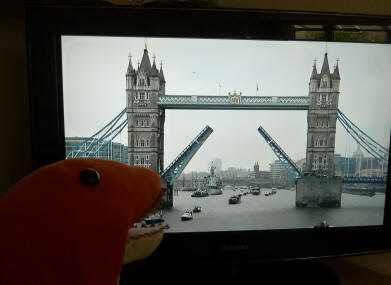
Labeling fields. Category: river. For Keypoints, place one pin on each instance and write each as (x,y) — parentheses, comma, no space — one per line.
(278,211)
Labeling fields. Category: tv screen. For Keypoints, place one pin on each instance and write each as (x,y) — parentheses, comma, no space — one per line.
(242,184)
(270,130)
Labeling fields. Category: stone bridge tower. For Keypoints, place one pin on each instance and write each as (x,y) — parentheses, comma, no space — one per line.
(322,189)
(145,118)
(322,118)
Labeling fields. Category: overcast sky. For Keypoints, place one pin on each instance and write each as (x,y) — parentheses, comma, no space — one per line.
(94,71)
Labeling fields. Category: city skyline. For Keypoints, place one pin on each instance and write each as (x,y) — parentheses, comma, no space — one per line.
(94,91)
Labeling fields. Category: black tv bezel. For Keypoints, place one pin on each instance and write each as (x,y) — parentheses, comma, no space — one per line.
(46,24)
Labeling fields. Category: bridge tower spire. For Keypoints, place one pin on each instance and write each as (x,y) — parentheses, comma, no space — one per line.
(322,117)
(145,118)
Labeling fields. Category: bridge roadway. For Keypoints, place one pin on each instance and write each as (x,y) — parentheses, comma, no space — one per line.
(233,102)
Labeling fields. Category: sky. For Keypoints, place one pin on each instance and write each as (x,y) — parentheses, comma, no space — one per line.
(94,71)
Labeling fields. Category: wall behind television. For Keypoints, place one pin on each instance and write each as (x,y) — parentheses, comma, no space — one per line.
(15,152)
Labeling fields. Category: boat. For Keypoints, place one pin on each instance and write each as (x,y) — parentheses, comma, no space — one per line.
(272,192)
(322,225)
(154,219)
(200,193)
(187,216)
(212,183)
(255,190)
(359,190)
(243,188)
(236,199)
(197,209)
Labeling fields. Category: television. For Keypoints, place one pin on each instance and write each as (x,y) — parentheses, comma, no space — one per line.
(286,111)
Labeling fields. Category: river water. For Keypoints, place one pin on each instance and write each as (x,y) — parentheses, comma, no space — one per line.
(278,211)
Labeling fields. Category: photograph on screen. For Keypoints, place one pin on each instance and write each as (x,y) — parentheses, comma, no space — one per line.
(247,134)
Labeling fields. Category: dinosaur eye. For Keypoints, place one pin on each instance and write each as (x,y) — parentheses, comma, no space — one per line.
(89,177)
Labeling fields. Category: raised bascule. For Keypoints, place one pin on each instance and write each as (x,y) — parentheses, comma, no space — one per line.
(316,184)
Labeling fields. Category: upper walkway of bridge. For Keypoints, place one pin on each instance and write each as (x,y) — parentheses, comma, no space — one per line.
(234,102)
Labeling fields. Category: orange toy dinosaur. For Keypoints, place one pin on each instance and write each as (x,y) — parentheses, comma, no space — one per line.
(71,222)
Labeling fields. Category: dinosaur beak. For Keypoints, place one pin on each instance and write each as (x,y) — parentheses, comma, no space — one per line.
(142,241)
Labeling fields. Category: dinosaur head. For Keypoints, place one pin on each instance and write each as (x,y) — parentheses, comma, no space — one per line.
(71,222)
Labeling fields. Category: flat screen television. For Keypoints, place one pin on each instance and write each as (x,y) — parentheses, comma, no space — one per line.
(281,119)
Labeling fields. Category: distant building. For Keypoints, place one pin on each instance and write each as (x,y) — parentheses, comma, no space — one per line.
(276,168)
(265,176)
(300,164)
(369,167)
(256,170)
(257,174)
(243,173)
(358,165)
(372,167)
(112,151)
(231,172)
(358,156)
(278,172)
(344,166)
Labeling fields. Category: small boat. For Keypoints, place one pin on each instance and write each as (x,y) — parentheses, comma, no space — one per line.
(187,216)
(322,225)
(154,219)
(197,209)
(236,199)
(200,193)
(255,190)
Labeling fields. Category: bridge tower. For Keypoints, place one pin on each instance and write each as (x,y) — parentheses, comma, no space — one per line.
(145,118)
(319,187)
(321,119)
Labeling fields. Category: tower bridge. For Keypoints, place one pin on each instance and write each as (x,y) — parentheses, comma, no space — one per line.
(146,103)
